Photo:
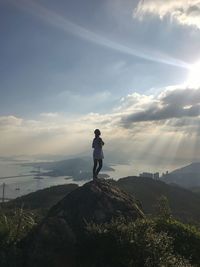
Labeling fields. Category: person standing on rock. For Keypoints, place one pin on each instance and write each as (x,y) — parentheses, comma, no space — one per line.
(98,156)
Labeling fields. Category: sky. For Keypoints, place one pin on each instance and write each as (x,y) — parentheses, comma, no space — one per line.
(128,67)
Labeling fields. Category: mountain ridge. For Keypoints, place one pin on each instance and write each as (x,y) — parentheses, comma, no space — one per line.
(184,204)
(187,176)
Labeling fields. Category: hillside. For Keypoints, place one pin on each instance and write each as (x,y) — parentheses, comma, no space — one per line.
(53,240)
(188,176)
(98,225)
(42,200)
(184,204)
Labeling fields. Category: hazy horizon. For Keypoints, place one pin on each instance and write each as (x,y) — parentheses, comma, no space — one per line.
(12,165)
(129,68)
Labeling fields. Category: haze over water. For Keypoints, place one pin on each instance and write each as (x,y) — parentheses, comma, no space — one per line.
(28,184)
(18,186)
(129,68)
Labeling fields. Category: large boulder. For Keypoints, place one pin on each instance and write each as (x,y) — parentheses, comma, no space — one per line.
(52,243)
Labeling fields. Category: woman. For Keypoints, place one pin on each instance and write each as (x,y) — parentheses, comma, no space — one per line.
(97,153)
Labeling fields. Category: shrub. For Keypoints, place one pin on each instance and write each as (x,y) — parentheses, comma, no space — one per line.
(13,227)
(127,244)
(185,238)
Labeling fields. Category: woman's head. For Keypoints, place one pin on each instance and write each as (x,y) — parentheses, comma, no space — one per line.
(97,132)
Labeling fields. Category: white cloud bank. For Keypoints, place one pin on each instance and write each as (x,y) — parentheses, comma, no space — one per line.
(148,128)
(185,12)
(172,103)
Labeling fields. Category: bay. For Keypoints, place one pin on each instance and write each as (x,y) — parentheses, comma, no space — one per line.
(26,182)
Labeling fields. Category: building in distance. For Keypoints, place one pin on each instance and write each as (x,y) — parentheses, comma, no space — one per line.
(155,176)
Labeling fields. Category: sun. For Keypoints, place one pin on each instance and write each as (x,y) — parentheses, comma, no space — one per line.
(194,75)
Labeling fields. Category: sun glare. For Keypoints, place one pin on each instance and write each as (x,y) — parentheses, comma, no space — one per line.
(194,76)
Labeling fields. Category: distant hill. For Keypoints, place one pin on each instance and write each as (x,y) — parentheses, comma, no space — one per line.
(188,176)
(195,189)
(42,200)
(185,205)
(78,168)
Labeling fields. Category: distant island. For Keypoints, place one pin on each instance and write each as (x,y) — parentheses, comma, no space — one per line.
(78,168)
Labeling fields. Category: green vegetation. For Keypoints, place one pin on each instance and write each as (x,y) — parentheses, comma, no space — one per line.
(184,204)
(14,226)
(155,242)
(129,244)
(159,240)
(41,201)
(185,238)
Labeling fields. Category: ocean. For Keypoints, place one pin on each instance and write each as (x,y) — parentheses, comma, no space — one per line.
(26,182)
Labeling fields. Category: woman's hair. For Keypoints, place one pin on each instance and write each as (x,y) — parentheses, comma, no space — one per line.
(97,132)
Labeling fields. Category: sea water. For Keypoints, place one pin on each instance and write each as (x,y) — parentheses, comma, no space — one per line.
(22,185)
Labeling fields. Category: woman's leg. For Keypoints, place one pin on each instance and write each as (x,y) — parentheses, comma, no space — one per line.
(100,161)
(94,168)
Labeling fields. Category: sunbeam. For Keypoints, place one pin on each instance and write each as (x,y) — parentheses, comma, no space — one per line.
(161,149)
(67,26)
(194,77)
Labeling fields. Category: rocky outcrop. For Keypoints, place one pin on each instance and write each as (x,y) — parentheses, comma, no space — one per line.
(51,243)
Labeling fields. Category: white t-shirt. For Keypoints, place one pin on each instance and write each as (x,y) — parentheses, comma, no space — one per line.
(97,145)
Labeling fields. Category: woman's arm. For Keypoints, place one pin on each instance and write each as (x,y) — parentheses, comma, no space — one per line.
(101,142)
(93,144)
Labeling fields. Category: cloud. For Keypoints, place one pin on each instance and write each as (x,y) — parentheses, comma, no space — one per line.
(185,12)
(175,109)
(50,133)
(142,128)
(50,115)
(170,104)
(10,121)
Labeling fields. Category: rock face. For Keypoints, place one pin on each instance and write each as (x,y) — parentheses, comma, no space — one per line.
(51,243)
